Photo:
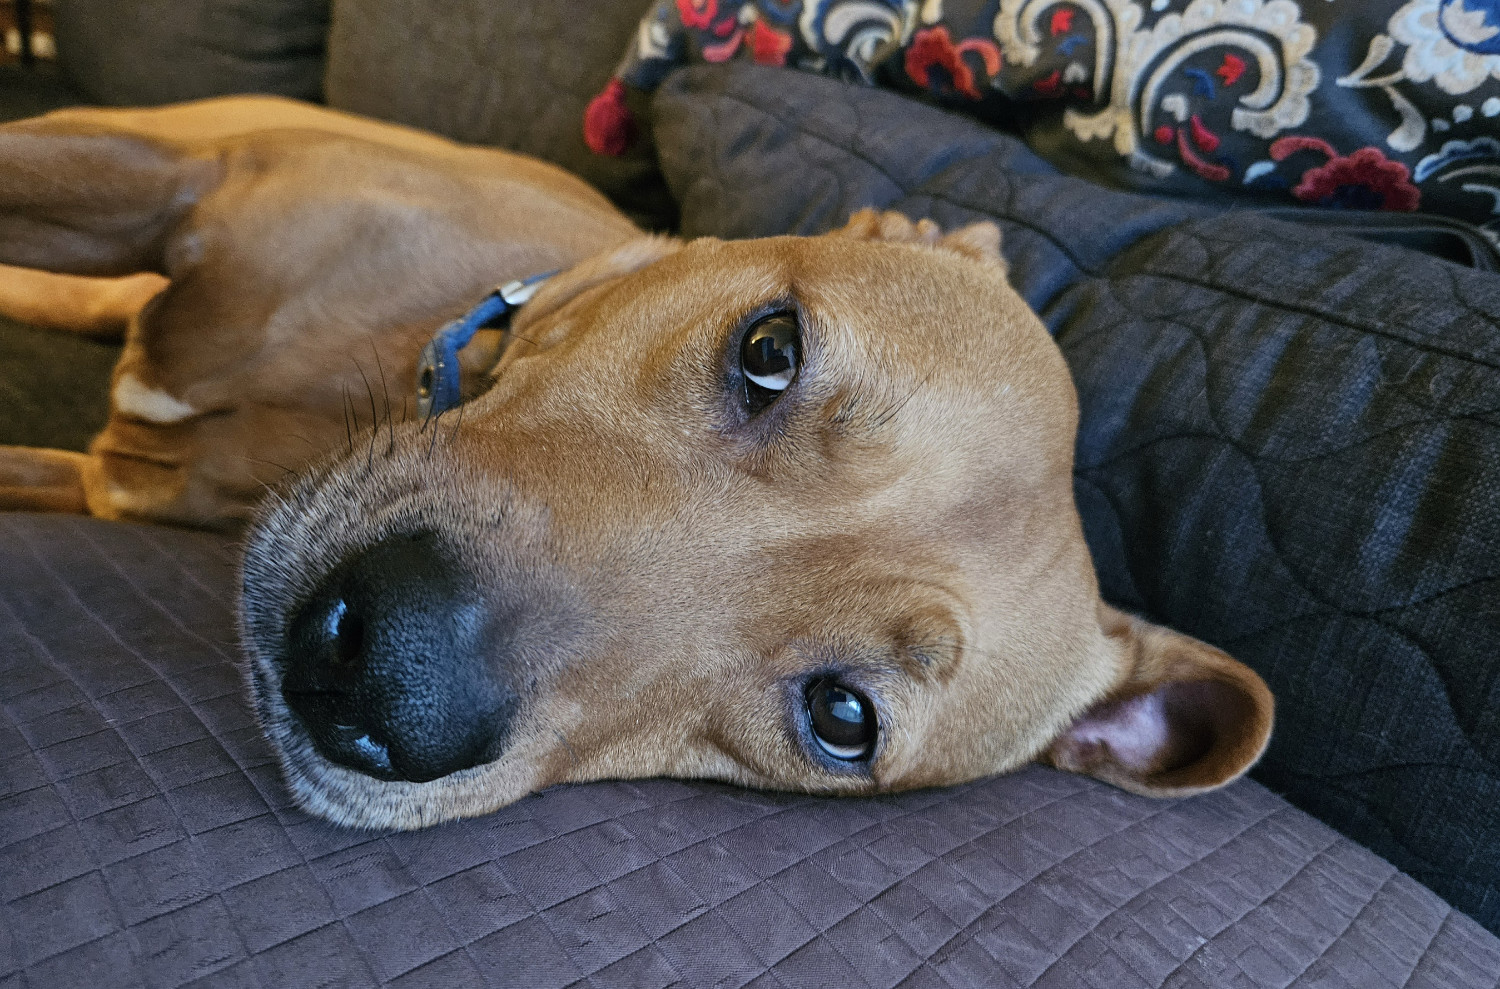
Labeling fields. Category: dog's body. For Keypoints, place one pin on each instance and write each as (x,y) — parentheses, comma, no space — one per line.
(300,256)
(794,512)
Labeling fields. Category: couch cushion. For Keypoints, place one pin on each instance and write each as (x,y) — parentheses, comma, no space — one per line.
(127,52)
(146,839)
(1290,443)
(30,92)
(516,75)
(54,387)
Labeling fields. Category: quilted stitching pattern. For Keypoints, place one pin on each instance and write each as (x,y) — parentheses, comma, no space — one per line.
(1290,441)
(145,839)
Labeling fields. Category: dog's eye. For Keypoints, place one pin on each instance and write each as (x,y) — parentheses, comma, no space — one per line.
(842,720)
(769,357)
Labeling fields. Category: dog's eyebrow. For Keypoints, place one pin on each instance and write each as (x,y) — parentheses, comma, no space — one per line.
(929,661)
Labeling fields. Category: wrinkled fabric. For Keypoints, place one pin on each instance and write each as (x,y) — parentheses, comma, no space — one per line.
(1289,446)
(146,838)
(142,52)
(516,75)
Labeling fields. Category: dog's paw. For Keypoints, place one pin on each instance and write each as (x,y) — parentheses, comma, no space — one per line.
(978,241)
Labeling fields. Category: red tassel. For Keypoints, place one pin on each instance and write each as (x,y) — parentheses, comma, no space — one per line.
(608,127)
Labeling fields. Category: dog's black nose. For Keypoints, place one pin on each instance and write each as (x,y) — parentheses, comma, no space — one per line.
(388,666)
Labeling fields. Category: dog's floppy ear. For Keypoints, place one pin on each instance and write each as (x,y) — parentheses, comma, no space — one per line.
(86,202)
(1185,718)
(978,241)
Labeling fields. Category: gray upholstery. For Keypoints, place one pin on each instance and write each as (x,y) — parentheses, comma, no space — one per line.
(146,839)
(34,91)
(54,387)
(129,52)
(516,75)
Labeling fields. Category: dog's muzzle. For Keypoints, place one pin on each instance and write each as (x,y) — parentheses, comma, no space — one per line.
(387,666)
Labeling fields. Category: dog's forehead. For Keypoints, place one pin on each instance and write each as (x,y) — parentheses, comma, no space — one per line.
(935,411)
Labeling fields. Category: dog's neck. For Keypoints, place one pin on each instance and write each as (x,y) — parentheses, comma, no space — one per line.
(441,369)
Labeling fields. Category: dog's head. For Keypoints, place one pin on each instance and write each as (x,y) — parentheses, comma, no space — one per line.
(279,332)
(793,513)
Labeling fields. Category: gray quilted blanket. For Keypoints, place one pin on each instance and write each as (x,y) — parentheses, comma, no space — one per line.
(146,840)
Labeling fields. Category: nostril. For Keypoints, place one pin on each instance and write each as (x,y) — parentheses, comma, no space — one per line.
(327,644)
(356,748)
(389,665)
(346,630)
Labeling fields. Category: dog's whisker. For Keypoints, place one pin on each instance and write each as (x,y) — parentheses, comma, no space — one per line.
(374,416)
(286,471)
(385,391)
(512,333)
(458,424)
(314,447)
(348,430)
(432,440)
(897,406)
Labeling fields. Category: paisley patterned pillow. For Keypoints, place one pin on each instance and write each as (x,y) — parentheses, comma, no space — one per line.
(1356,104)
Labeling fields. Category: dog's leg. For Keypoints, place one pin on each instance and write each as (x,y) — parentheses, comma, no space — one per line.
(33,480)
(79,200)
(100,307)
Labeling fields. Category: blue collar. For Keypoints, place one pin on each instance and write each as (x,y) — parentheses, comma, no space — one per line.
(439,381)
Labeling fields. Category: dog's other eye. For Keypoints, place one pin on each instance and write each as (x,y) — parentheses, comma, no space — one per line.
(842,720)
(769,357)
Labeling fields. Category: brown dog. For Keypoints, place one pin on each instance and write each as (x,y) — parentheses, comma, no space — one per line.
(307,256)
(793,513)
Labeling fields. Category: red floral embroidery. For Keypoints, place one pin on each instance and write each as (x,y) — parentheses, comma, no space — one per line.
(1231,69)
(1210,170)
(1202,136)
(607,125)
(1049,85)
(724,50)
(1206,140)
(934,48)
(1366,179)
(769,45)
(698,13)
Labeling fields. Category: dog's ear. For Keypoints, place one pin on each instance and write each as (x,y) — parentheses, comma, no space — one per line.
(631,256)
(85,202)
(1185,718)
(978,241)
